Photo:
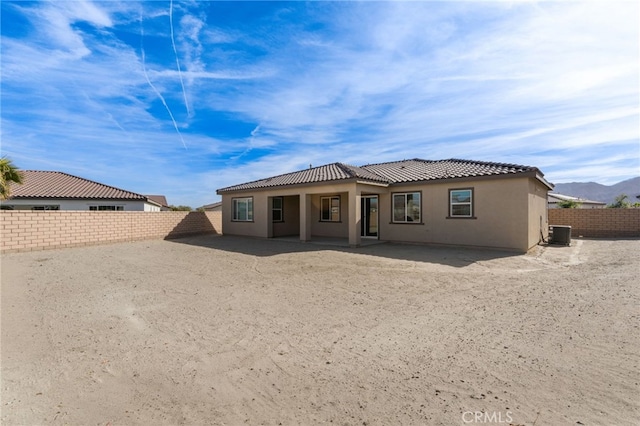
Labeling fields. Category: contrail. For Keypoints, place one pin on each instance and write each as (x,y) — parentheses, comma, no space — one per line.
(144,70)
(175,51)
(254,132)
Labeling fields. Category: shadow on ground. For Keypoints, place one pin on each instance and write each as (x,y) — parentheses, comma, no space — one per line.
(445,255)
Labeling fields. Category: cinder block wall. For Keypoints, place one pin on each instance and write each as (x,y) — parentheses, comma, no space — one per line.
(598,223)
(40,230)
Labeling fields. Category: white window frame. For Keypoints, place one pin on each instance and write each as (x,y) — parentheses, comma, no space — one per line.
(235,212)
(331,209)
(453,203)
(106,207)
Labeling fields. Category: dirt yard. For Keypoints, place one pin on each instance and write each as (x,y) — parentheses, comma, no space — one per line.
(224,330)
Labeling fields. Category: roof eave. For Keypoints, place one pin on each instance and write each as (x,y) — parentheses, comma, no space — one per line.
(224,191)
(540,177)
(373,183)
(154,203)
(430,181)
(42,197)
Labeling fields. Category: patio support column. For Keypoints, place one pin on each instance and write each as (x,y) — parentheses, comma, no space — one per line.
(269,217)
(305,217)
(355,215)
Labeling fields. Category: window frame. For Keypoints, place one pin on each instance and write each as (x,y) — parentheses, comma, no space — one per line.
(469,203)
(106,208)
(280,209)
(331,198)
(48,207)
(405,221)
(235,211)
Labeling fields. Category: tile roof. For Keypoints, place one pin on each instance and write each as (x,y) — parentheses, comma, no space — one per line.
(326,173)
(212,205)
(45,184)
(161,200)
(556,198)
(415,170)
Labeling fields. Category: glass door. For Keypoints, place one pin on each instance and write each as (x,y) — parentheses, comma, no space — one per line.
(369,222)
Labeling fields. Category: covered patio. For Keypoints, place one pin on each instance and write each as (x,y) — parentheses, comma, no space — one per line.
(346,214)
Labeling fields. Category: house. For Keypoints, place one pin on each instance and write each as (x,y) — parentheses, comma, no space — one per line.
(46,190)
(161,200)
(213,207)
(554,199)
(459,202)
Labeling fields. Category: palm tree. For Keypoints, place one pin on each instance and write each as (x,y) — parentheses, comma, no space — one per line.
(9,173)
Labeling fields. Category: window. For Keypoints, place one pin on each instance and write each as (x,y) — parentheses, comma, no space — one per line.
(243,209)
(406,207)
(461,203)
(106,208)
(276,209)
(330,209)
(45,208)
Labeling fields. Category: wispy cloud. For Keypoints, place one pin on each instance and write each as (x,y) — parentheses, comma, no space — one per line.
(269,89)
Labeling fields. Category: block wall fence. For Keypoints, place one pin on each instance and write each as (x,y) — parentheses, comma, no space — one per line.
(41,230)
(598,223)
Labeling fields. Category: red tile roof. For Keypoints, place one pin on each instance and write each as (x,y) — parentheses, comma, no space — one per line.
(44,184)
(404,171)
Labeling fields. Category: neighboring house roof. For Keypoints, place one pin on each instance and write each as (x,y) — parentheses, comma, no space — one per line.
(161,200)
(415,170)
(558,198)
(46,184)
(212,206)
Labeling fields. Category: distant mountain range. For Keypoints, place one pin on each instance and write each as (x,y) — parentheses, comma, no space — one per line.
(598,192)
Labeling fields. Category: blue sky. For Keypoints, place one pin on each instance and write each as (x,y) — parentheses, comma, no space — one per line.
(181,98)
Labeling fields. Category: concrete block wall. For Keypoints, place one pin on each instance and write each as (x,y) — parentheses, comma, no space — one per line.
(598,223)
(22,230)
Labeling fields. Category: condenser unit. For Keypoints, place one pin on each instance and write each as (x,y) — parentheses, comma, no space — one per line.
(560,234)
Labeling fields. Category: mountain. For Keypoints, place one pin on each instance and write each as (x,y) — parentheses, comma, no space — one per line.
(598,192)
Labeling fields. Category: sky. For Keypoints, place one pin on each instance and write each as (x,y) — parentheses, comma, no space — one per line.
(181,98)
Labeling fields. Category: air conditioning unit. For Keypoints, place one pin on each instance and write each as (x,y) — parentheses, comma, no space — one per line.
(560,234)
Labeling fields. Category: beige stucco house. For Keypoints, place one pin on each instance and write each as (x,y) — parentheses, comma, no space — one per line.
(458,202)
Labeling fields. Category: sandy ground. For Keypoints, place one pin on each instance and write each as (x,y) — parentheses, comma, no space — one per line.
(225,330)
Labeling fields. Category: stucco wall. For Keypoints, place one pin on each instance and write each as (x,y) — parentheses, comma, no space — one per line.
(598,223)
(538,213)
(255,228)
(291,215)
(260,226)
(330,229)
(38,230)
(501,211)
